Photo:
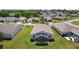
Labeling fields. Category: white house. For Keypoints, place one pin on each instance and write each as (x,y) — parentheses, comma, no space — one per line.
(9,30)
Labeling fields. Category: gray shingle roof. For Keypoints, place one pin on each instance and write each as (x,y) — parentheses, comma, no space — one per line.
(75,31)
(62,27)
(21,18)
(7,28)
(41,27)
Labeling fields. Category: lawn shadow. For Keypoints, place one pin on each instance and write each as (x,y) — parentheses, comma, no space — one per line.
(41,44)
(1,40)
(1,46)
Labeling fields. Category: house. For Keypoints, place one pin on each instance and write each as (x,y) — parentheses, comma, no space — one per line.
(10,19)
(35,19)
(75,34)
(46,18)
(21,19)
(29,20)
(73,15)
(52,14)
(60,16)
(9,30)
(67,30)
(2,19)
(41,33)
(62,28)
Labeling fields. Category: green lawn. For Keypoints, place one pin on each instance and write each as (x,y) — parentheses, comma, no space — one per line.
(72,17)
(76,23)
(22,40)
(58,21)
(36,22)
(69,17)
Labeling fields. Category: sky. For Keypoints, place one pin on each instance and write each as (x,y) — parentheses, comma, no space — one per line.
(39,4)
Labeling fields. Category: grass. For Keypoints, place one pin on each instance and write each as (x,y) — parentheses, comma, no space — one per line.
(22,40)
(76,23)
(69,17)
(72,17)
(36,22)
(58,21)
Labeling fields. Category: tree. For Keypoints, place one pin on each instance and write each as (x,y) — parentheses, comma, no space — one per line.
(4,14)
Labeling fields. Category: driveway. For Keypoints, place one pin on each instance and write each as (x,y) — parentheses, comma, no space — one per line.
(72,25)
(71,21)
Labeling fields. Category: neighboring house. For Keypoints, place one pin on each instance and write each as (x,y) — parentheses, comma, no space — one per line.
(62,28)
(10,19)
(78,13)
(67,30)
(9,30)
(60,16)
(29,20)
(2,19)
(75,34)
(52,14)
(46,18)
(35,19)
(41,33)
(73,15)
(21,19)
